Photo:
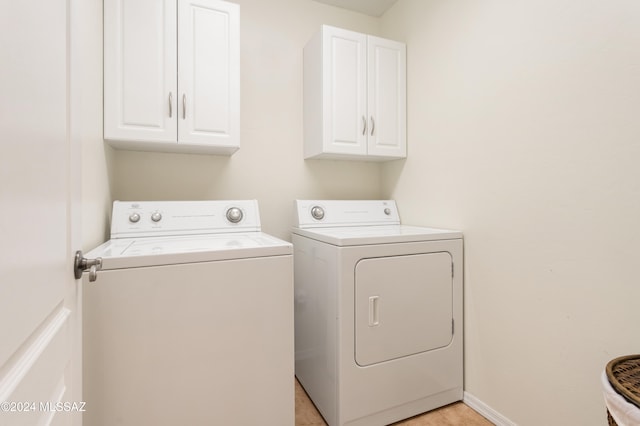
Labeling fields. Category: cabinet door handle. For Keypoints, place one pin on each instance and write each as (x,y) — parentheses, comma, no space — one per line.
(184,106)
(170,104)
(364,125)
(373,125)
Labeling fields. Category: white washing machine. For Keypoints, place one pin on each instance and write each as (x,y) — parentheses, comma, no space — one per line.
(378,312)
(190,319)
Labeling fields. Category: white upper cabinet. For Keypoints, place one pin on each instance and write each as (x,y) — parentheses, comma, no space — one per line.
(172,75)
(354,96)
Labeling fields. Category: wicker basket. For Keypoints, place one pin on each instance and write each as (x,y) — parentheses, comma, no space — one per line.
(624,375)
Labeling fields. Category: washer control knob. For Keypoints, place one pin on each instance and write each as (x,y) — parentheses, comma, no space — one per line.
(317,212)
(234,215)
(156,216)
(134,217)
(387,211)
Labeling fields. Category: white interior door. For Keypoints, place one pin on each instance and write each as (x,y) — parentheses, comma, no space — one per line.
(39,334)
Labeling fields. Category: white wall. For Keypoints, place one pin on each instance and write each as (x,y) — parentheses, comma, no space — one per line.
(86,120)
(269,165)
(523,131)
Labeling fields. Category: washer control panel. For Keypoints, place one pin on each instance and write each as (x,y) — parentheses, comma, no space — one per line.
(328,213)
(166,218)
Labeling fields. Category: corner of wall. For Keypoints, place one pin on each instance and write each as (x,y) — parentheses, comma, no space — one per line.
(487,412)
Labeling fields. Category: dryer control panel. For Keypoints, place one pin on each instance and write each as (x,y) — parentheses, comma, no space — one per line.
(169,218)
(331,213)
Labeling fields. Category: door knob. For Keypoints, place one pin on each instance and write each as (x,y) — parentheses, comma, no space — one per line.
(82,264)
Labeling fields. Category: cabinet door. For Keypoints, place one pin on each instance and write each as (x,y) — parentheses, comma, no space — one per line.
(387,86)
(209,73)
(140,70)
(344,91)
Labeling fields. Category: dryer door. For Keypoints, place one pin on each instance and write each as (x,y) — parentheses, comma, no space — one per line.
(403,306)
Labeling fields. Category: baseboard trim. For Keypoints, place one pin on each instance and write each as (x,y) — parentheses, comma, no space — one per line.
(489,413)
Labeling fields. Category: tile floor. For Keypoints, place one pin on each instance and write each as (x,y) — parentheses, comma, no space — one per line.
(456,414)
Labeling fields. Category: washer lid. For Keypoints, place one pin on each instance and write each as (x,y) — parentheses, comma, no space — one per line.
(380,234)
(154,251)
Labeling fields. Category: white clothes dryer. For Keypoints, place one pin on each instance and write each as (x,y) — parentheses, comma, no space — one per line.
(190,319)
(378,312)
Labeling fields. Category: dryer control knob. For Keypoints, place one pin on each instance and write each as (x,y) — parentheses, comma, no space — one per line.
(317,212)
(387,211)
(134,217)
(156,216)
(234,215)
